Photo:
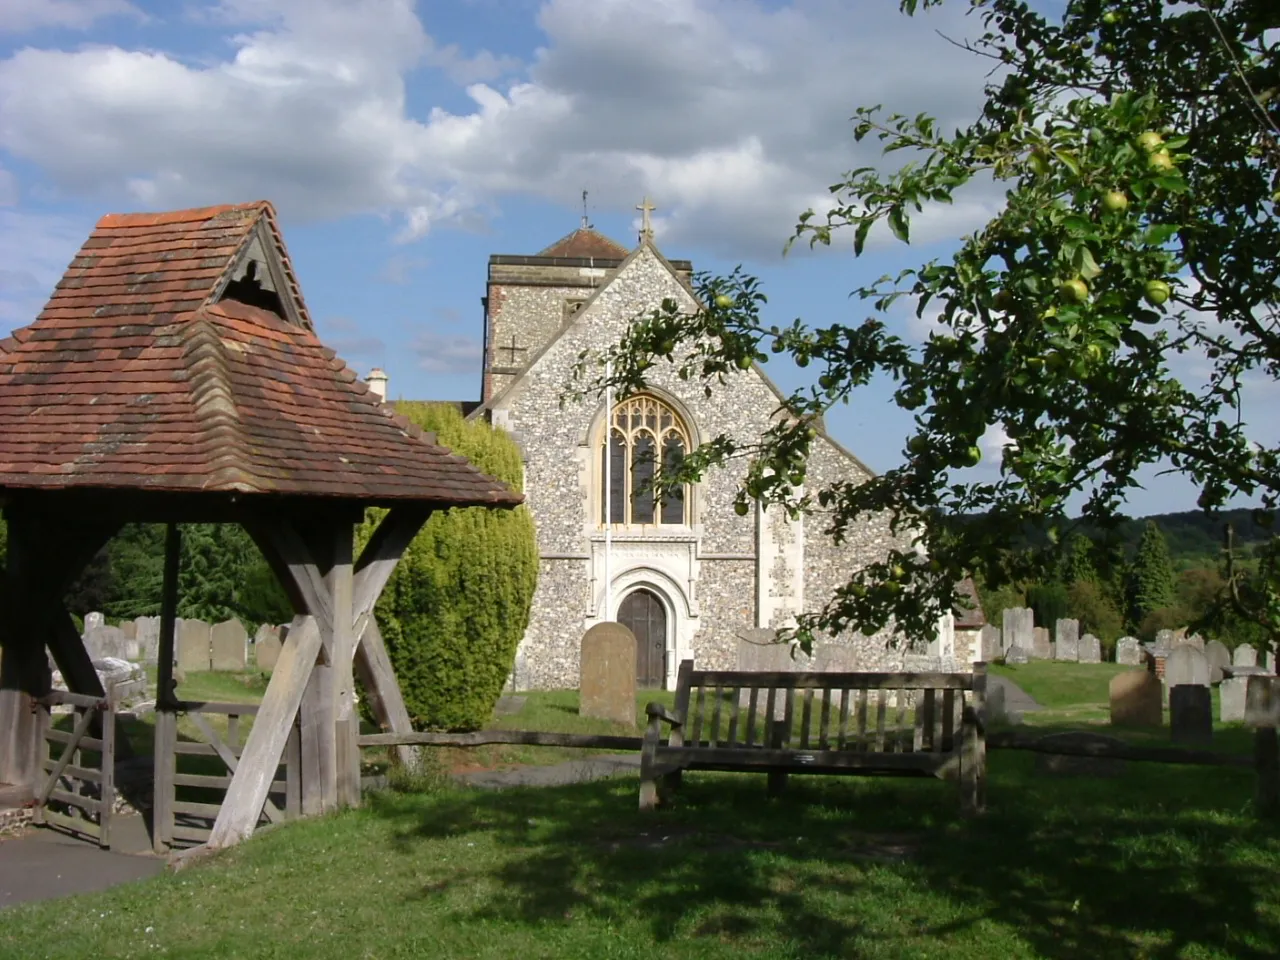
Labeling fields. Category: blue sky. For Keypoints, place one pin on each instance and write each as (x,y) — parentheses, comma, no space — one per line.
(403,145)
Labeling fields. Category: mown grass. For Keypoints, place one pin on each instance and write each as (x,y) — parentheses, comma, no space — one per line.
(1160,862)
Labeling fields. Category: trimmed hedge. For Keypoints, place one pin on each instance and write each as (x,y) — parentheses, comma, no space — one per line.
(458,603)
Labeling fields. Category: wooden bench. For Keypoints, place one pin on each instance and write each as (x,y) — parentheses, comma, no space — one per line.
(903,724)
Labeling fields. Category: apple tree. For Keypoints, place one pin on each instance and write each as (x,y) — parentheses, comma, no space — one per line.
(1137,143)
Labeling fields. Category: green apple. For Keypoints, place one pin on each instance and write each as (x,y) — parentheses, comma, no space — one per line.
(724,301)
(1005,301)
(740,508)
(1156,292)
(1160,161)
(744,363)
(1035,363)
(1094,351)
(897,572)
(1150,141)
(1075,290)
(974,456)
(666,346)
(1115,201)
(918,444)
(1112,17)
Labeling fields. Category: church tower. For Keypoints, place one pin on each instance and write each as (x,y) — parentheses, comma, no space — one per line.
(529,299)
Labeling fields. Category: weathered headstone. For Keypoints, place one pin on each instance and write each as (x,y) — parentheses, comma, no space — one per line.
(1090,649)
(1190,711)
(1041,646)
(1019,622)
(104,642)
(1186,666)
(607,688)
(1244,656)
(1262,702)
(93,620)
(194,641)
(1016,654)
(1195,640)
(130,629)
(1057,764)
(1231,699)
(989,644)
(266,647)
(147,633)
(1129,651)
(228,641)
(759,652)
(1067,638)
(1137,699)
(1216,652)
(1166,639)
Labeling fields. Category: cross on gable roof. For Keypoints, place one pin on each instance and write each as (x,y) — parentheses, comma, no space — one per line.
(177,354)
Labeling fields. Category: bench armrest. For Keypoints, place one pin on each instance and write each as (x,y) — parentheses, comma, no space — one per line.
(656,711)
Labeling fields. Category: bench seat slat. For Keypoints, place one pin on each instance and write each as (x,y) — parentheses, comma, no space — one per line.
(751,716)
(817,681)
(700,704)
(733,716)
(792,761)
(806,718)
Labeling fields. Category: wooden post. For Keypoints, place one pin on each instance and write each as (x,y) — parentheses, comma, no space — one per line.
(24,669)
(166,689)
(107,791)
(973,758)
(260,759)
(340,582)
(165,768)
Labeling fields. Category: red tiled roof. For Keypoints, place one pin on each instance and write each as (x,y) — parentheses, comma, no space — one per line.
(131,378)
(586,243)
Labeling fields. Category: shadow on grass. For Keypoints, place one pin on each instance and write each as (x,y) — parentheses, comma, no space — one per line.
(1155,863)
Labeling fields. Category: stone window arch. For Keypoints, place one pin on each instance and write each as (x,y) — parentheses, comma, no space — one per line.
(646,436)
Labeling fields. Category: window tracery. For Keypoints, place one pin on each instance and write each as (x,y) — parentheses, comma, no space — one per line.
(646,437)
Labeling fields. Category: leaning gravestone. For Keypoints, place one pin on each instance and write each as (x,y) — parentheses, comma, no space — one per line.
(990,646)
(1186,666)
(1067,639)
(1219,657)
(106,643)
(1129,651)
(1137,699)
(194,641)
(1190,711)
(227,641)
(1244,656)
(1019,624)
(1041,646)
(1090,649)
(607,686)
(1231,699)
(266,647)
(1016,654)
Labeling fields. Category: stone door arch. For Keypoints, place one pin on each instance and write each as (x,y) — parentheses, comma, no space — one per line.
(645,615)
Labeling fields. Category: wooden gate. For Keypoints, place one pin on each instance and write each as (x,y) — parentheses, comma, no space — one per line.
(193,770)
(76,790)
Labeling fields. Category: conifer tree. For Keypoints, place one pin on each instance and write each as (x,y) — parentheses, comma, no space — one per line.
(458,603)
(1151,580)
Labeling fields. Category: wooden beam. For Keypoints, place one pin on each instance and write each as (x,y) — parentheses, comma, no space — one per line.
(242,805)
(378,678)
(379,557)
(339,583)
(166,691)
(537,738)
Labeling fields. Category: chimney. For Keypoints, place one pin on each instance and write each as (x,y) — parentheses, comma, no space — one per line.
(377,381)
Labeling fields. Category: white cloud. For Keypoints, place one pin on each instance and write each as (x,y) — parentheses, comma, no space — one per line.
(35,251)
(733,115)
(442,353)
(19,16)
(992,443)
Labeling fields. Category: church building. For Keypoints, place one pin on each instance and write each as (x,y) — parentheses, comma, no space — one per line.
(689,576)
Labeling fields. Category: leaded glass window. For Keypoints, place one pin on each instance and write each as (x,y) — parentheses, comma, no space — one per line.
(646,438)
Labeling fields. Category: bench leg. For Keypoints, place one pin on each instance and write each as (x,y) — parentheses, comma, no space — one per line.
(777,783)
(673,781)
(648,793)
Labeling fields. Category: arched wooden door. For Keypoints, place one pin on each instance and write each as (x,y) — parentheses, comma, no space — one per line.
(643,613)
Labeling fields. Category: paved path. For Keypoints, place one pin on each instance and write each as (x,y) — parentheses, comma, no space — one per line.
(571,771)
(1016,700)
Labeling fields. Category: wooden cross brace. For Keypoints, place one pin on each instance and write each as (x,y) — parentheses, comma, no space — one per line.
(332,638)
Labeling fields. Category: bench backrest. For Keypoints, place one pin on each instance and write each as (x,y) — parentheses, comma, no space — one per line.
(880,712)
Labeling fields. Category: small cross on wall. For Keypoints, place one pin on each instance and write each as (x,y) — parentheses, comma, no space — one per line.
(512,350)
(646,226)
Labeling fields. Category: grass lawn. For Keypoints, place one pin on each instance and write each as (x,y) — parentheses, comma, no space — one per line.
(1161,862)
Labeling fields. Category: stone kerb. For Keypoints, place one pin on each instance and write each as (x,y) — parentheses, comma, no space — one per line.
(228,642)
(1090,649)
(194,642)
(1067,640)
(1219,657)
(1137,699)
(1129,651)
(607,686)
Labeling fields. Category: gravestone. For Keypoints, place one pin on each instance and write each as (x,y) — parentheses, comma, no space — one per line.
(1216,652)
(1190,711)
(1262,702)
(104,642)
(1129,651)
(1244,656)
(93,620)
(1137,699)
(989,643)
(130,629)
(607,685)
(1195,640)
(1231,699)
(1067,638)
(194,642)
(266,647)
(1090,649)
(1269,661)
(1041,646)
(1066,765)
(994,704)
(1016,654)
(147,633)
(1166,639)
(227,642)
(1186,666)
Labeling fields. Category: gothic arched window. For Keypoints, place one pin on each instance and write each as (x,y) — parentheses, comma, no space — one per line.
(646,437)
